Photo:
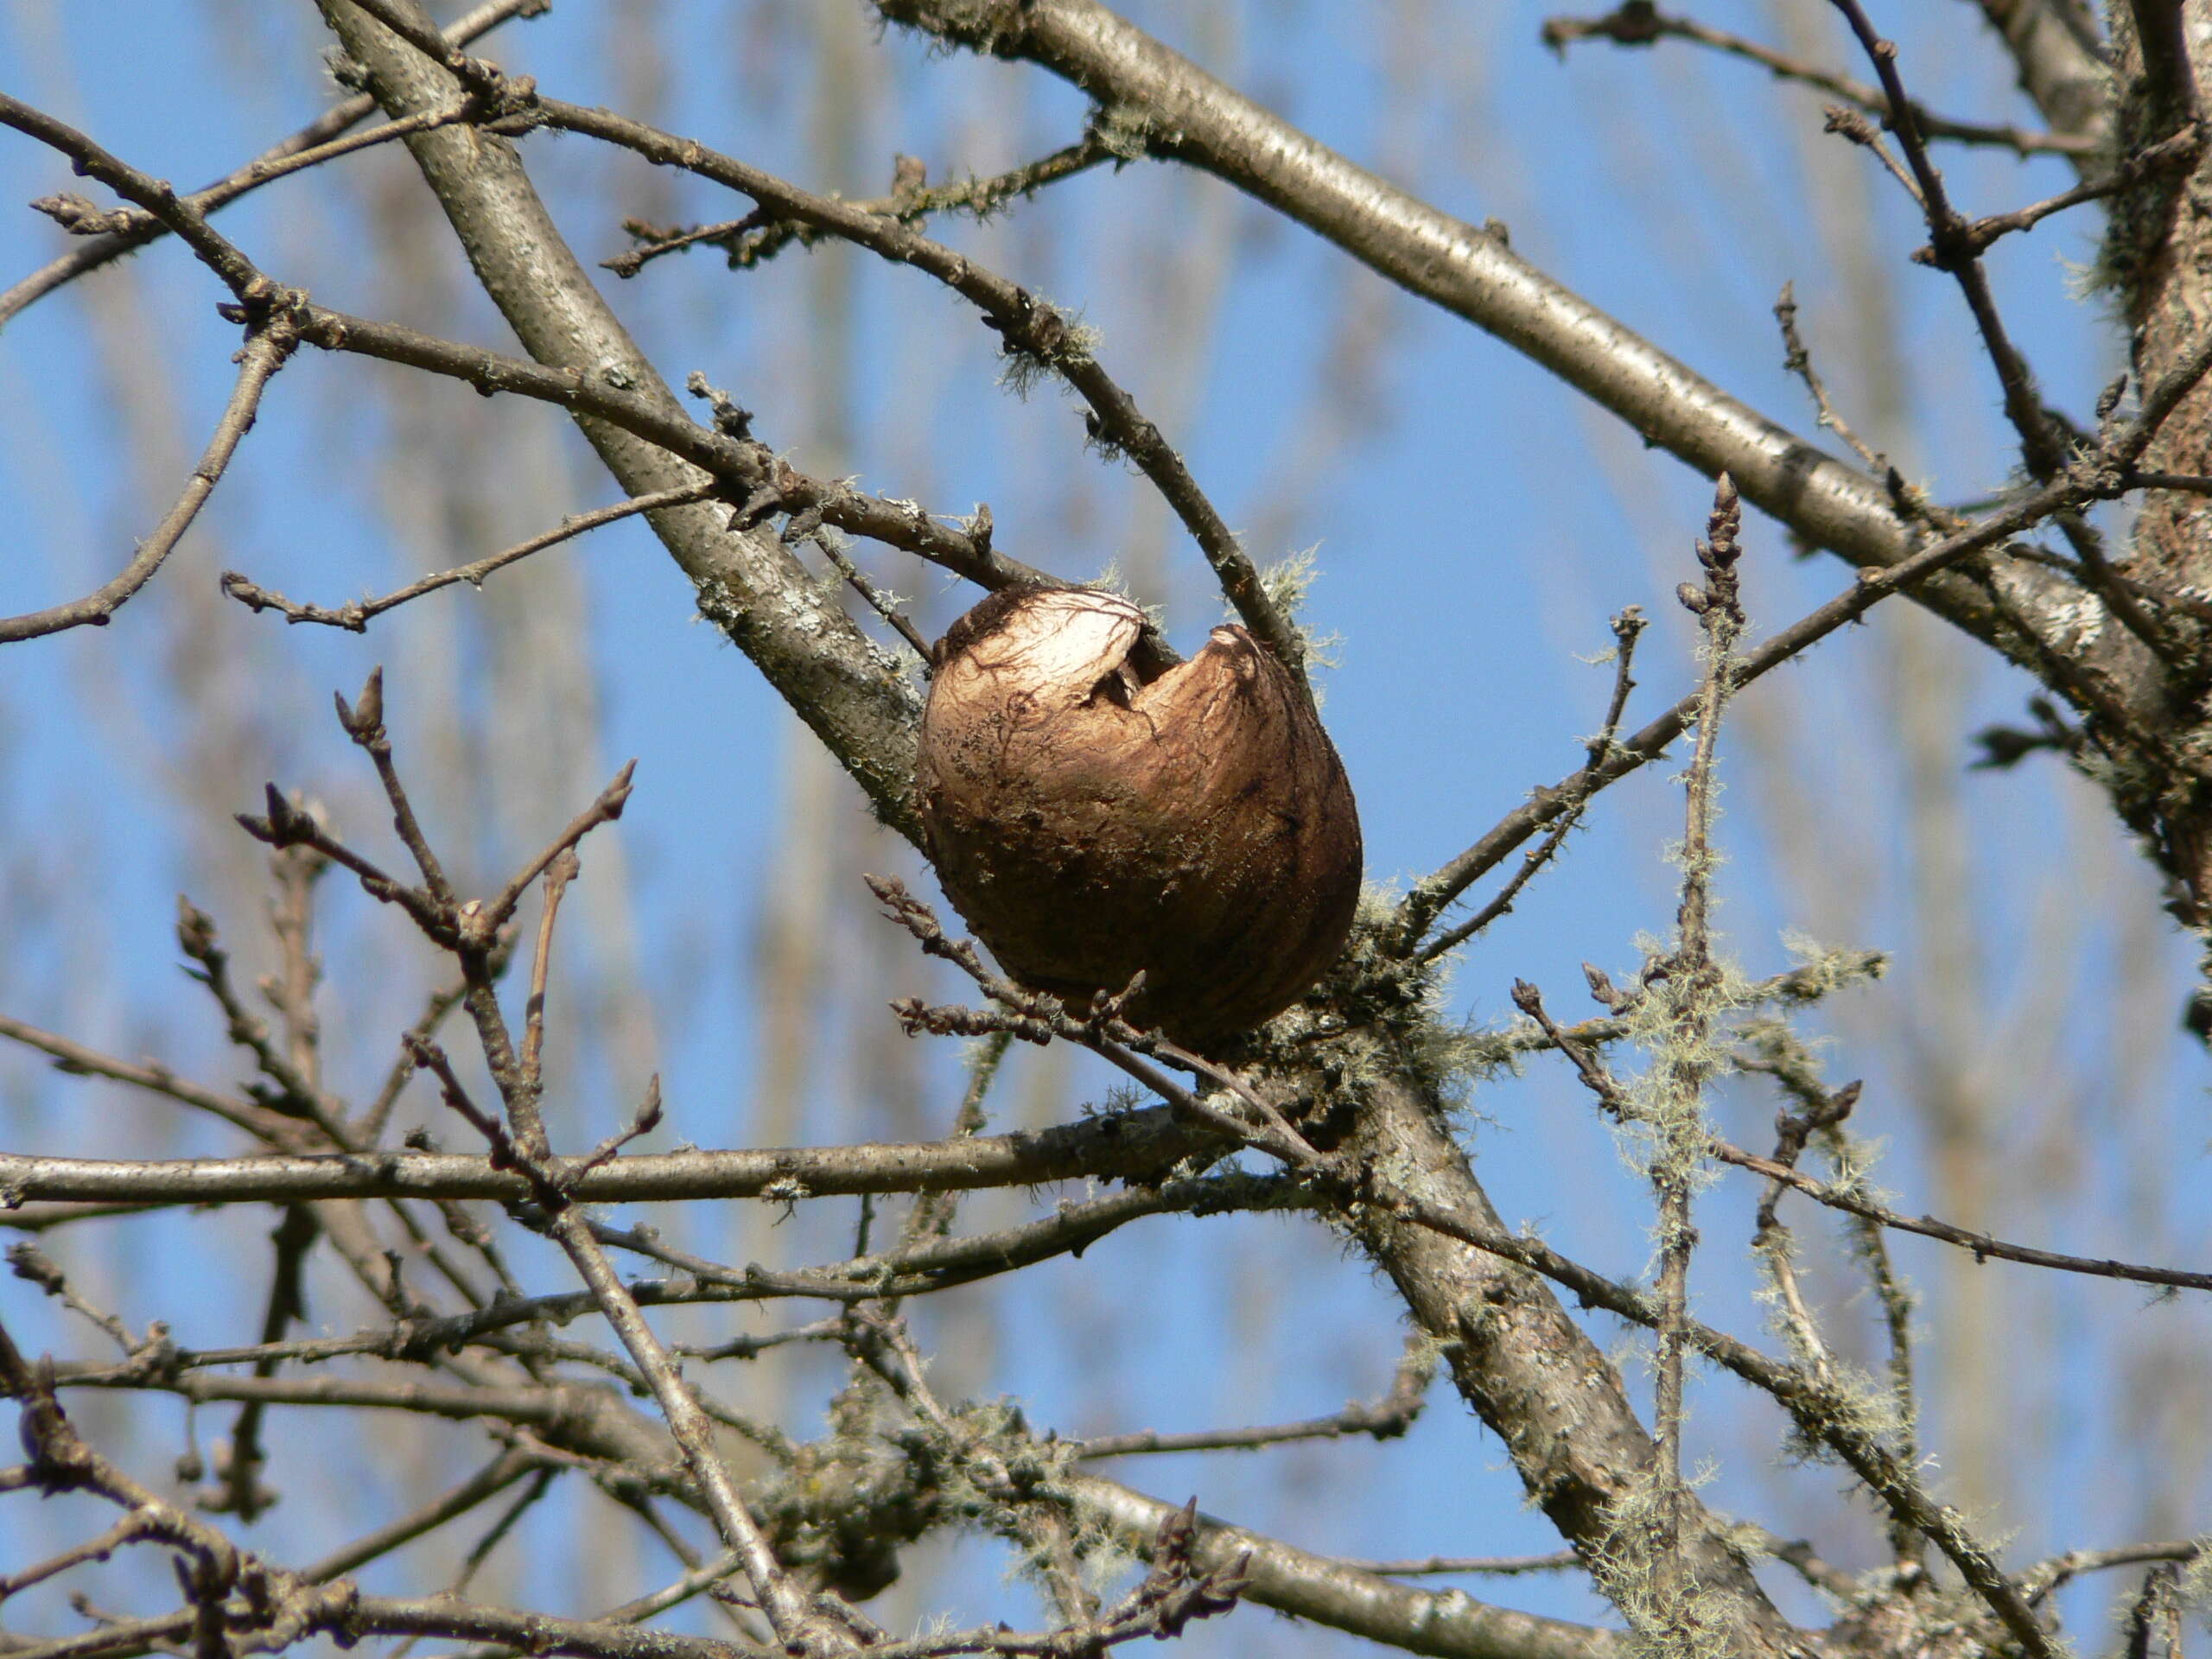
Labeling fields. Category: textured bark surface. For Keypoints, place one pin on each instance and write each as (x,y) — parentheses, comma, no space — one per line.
(748,583)
(2054,47)
(2053,626)
(2158,255)
(1091,822)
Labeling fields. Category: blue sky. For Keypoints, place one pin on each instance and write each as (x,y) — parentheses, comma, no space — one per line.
(1476,525)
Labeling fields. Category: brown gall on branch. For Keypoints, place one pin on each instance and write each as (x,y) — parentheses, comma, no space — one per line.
(1092,821)
(1038,1016)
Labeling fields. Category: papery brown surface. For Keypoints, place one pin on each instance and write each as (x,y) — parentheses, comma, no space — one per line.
(1089,823)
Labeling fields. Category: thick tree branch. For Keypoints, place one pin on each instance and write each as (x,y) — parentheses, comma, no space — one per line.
(1824,1413)
(748,583)
(1531,1373)
(312,145)
(2056,53)
(1130,1143)
(1194,118)
(1448,1622)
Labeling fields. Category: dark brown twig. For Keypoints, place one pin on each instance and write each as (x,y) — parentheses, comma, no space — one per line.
(758,238)
(77,1060)
(1037,1017)
(1952,247)
(606,808)
(1982,1246)
(1383,1419)
(310,146)
(1034,333)
(295,1093)
(1798,360)
(2175,150)
(355,613)
(267,348)
(1640,23)
(1563,1560)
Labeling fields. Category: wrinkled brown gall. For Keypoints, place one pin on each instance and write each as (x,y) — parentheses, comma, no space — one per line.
(1088,821)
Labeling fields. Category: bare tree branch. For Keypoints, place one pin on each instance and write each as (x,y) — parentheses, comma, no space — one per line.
(268,344)
(355,614)
(310,146)
(748,584)
(1449,1623)
(1191,117)
(2058,57)
(1124,1142)
(1640,23)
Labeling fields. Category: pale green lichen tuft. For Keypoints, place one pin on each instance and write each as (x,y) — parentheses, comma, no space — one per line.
(1287,583)
(950,26)
(2194,1588)
(1024,369)
(1671,1614)
(1123,130)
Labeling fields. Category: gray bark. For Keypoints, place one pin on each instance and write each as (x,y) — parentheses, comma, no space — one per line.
(748,584)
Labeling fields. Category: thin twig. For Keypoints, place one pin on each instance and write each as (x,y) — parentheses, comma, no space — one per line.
(1626,627)
(438,1006)
(77,1060)
(268,347)
(564,868)
(1687,983)
(606,808)
(1982,1245)
(310,146)
(1639,22)
(2045,1577)
(1033,330)
(296,1094)
(756,238)
(2175,150)
(242,1493)
(2104,474)
(1383,1419)
(877,601)
(1563,1560)
(1798,360)
(1953,248)
(355,613)
(1037,1017)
